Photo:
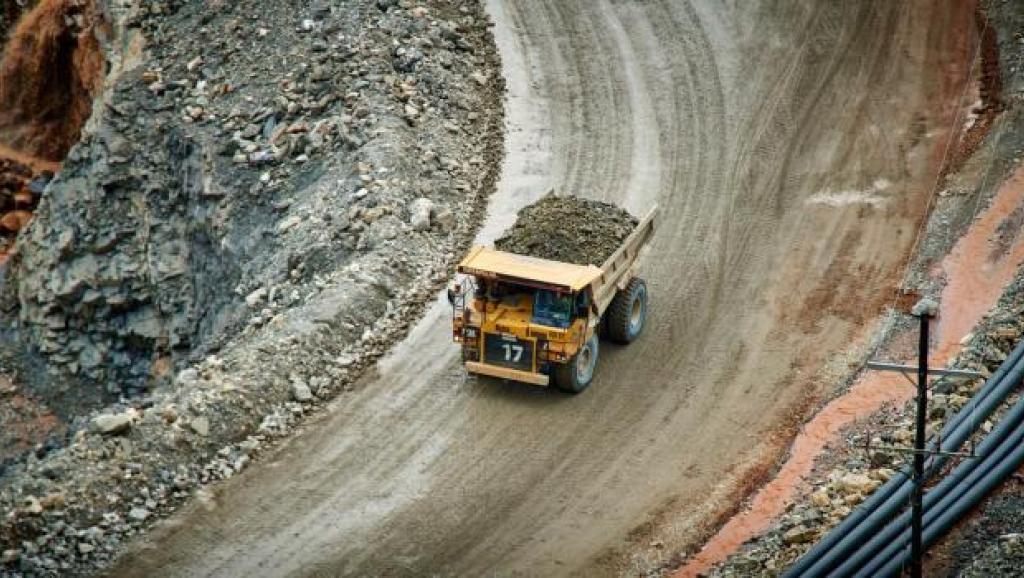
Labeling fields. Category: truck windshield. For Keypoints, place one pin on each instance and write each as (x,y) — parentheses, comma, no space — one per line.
(552,309)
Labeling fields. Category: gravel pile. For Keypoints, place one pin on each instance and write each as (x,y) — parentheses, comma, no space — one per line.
(271,143)
(569,229)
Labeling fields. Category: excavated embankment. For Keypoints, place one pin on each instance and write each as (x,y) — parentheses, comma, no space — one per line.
(227,164)
(254,212)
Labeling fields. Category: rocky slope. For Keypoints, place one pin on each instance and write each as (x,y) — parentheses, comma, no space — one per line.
(256,210)
(271,144)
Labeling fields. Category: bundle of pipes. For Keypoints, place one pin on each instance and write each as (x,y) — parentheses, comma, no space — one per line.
(875,539)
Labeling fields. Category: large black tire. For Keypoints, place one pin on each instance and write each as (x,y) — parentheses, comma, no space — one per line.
(577,374)
(625,317)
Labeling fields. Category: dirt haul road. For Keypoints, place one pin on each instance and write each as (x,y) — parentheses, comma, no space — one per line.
(791,147)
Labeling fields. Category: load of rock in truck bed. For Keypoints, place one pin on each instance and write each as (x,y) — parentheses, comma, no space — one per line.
(568,229)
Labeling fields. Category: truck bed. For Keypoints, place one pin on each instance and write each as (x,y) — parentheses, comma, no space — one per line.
(617,270)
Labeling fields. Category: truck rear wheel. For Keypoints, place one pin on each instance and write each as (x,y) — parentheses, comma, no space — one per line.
(577,374)
(627,313)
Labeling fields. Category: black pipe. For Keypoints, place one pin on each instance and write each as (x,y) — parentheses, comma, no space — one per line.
(884,502)
(867,557)
(973,496)
(985,477)
(1002,382)
(916,502)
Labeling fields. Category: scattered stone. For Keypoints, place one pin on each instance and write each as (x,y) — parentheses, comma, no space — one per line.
(821,499)
(445,218)
(32,506)
(200,425)
(254,299)
(188,376)
(882,474)
(857,484)
(420,214)
(289,223)
(799,535)
(301,391)
(111,424)
(139,514)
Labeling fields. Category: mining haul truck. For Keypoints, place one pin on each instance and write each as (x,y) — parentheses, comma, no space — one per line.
(537,321)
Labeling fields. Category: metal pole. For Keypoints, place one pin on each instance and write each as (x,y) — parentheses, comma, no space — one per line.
(922,419)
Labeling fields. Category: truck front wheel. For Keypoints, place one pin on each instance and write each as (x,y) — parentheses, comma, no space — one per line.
(627,313)
(577,374)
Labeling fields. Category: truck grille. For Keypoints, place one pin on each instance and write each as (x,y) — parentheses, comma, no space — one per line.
(508,351)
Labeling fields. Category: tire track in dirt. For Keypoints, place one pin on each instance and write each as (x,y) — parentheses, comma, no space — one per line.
(754,109)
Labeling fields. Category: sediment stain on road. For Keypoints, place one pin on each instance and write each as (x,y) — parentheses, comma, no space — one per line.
(974,283)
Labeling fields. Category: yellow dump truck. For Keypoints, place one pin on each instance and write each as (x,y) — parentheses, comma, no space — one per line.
(537,321)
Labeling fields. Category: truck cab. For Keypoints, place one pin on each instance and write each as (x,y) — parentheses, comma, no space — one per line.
(537,321)
(526,319)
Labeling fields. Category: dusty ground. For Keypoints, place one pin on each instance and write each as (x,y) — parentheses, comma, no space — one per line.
(791,150)
(980,192)
(984,299)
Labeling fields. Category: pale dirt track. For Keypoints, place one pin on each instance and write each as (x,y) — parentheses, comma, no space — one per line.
(730,119)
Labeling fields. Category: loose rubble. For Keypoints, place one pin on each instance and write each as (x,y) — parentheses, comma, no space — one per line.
(990,546)
(237,159)
(260,210)
(570,229)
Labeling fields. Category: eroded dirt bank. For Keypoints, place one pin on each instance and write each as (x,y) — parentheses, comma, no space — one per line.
(791,149)
(51,70)
(53,67)
(975,330)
